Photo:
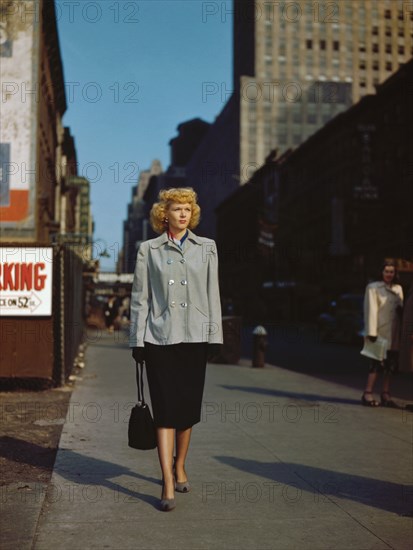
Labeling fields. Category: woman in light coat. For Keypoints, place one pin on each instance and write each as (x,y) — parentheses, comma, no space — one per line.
(383,302)
(175,325)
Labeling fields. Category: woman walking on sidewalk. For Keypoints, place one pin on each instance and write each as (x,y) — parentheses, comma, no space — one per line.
(383,303)
(175,326)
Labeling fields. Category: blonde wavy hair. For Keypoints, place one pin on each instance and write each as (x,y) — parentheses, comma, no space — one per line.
(166,197)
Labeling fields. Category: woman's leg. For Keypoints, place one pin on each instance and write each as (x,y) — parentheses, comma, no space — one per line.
(165,437)
(386,382)
(371,380)
(183,438)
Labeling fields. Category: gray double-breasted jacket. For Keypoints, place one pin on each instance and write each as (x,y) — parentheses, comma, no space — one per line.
(175,293)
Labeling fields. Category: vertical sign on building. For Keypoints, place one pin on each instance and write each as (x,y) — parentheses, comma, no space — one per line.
(19,53)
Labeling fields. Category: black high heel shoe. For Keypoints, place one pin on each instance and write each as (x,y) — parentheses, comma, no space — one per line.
(180,486)
(388,402)
(368,402)
(167,504)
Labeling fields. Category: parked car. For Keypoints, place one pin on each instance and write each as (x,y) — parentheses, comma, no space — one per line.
(344,322)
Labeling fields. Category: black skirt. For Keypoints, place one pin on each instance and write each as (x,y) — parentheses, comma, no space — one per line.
(176,377)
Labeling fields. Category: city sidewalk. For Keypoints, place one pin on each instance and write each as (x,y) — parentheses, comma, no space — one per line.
(281,460)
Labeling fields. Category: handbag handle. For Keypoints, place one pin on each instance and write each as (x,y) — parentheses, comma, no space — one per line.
(139,381)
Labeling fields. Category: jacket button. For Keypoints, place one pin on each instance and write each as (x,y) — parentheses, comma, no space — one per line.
(184,304)
(183,282)
(169,261)
(171,282)
(172,304)
(182,261)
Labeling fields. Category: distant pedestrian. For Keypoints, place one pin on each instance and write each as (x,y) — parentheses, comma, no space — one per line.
(111,312)
(383,303)
(175,326)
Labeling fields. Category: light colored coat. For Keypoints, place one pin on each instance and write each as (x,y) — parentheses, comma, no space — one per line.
(175,293)
(380,312)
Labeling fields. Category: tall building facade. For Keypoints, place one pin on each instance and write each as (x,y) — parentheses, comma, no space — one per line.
(322,218)
(43,212)
(297,65)
(136,223)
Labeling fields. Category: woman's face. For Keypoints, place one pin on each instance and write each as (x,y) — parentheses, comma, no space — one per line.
(179,216)
(388,274)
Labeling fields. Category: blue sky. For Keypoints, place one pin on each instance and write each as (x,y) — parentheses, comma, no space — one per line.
(134,70)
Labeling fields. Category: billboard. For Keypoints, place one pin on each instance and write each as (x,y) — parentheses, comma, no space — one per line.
(26,281)
(19,51)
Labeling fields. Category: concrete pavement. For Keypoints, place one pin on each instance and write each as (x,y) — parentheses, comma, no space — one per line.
(281,460)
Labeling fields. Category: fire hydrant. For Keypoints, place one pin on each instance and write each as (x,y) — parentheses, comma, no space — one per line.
(259,346)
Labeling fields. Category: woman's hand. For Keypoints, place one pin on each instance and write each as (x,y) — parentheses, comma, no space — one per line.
(138,354)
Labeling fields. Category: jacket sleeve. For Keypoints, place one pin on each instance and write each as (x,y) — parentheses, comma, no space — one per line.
(140,299)
(370,311)
(215,335)
(401,295)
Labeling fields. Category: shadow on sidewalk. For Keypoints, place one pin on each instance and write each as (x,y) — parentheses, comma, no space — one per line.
(79,469)
(293,395)
(327,485)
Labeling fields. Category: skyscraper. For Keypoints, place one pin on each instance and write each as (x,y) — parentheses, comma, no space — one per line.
(298,64)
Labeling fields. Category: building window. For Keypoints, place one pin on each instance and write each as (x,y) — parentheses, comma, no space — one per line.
(323,44)
(336,45)
(389,66)
(400,15)
(388,31)
(375,48)
(309,44)
(362,65)
(387,14)
(282,116)
(400,50)
(375,31)
(375,65)
(362,83)
(388,48)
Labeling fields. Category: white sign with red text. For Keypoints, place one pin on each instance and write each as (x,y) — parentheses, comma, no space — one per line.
(26,281)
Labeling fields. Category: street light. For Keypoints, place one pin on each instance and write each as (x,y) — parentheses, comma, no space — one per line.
(102,253)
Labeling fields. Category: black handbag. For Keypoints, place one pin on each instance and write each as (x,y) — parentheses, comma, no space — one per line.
(141,429)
